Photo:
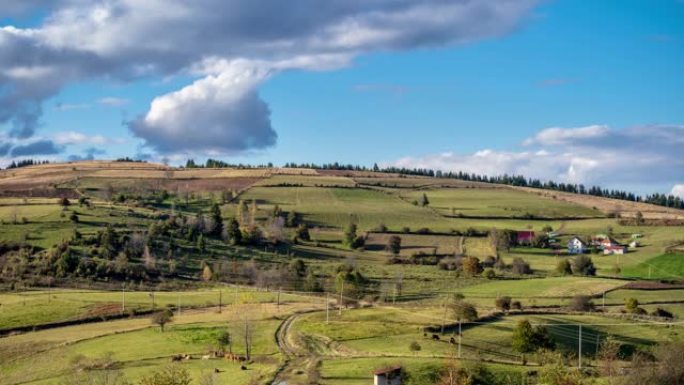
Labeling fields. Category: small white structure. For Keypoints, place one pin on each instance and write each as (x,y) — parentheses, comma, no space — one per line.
(616,249)
(387,376)
(576,246)
(634,244)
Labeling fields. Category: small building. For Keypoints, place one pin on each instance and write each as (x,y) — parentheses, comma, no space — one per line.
(608,242)
(387,376)
(615,249)
(576,246)
(525,237)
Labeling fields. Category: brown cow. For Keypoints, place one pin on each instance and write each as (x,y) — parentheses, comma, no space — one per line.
(435,337)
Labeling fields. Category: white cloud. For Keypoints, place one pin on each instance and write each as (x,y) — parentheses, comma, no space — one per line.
(78,138)
(591,155)
(678,190)
(127,39)
(558,135)
(218,113)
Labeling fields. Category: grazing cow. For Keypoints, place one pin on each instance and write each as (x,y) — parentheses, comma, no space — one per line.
(242,358)
(435,337)
(176,357)
(452,340)
(206,357)
(187,357)
(216,370)
(243,367)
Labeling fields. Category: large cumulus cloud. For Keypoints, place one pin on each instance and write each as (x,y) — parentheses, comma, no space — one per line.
(127,39)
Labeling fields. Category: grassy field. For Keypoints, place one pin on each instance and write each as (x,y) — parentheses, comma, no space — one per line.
(666,266)
(336,207)
(497,202)
(398,300)
(42,307)
(137,346)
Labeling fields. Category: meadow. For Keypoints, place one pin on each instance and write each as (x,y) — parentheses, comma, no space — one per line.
(52,325)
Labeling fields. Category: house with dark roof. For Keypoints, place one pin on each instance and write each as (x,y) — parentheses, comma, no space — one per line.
(387,376)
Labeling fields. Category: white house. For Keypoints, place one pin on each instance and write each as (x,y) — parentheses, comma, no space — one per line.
(387,376)
(576,246)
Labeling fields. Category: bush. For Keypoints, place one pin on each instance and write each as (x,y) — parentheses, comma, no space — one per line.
(415,346)
(489,274)
(516,305)
(520,267)
(583,265)
(503,303)
(381,228)
(581,303)
(527,339)
(563,267)
(660,312)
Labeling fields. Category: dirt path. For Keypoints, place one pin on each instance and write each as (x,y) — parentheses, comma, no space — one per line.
(300,365)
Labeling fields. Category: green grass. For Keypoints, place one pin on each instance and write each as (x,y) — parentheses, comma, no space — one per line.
(140,348)
(336,207)
(542,287)
(41,307)
(498,202)
(666,266)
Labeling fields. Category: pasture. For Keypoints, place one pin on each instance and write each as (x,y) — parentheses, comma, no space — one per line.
(99,313)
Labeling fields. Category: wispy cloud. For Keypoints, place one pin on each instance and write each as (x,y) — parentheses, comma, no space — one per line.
(113,102)
(70,107)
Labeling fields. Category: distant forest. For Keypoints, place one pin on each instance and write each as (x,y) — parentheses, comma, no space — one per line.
(511,180)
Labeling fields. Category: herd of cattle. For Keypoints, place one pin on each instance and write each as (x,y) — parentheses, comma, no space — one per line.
(228,356)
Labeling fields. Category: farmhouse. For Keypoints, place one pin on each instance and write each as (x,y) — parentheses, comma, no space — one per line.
(525,237)
(387,376)
(576,246)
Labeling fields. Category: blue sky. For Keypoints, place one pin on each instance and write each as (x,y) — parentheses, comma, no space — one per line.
(474,101)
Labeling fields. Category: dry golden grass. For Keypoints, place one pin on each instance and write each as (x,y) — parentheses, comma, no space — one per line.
(608,205)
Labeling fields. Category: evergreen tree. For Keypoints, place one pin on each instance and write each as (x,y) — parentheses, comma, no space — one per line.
(217,219)
(234,233)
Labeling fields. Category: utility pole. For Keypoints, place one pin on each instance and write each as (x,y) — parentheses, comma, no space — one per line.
(460,337)
(327,310)
(278,306)
(341,291)
(445,314)
(580,347)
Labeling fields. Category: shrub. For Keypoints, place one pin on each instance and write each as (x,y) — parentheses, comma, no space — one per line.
(503,303)
(583,265)
(581,303)
(471,266)
(527,339)
(660,312)
(520,267)
(563,267)
(415,346)
(489,274)
(516,305)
